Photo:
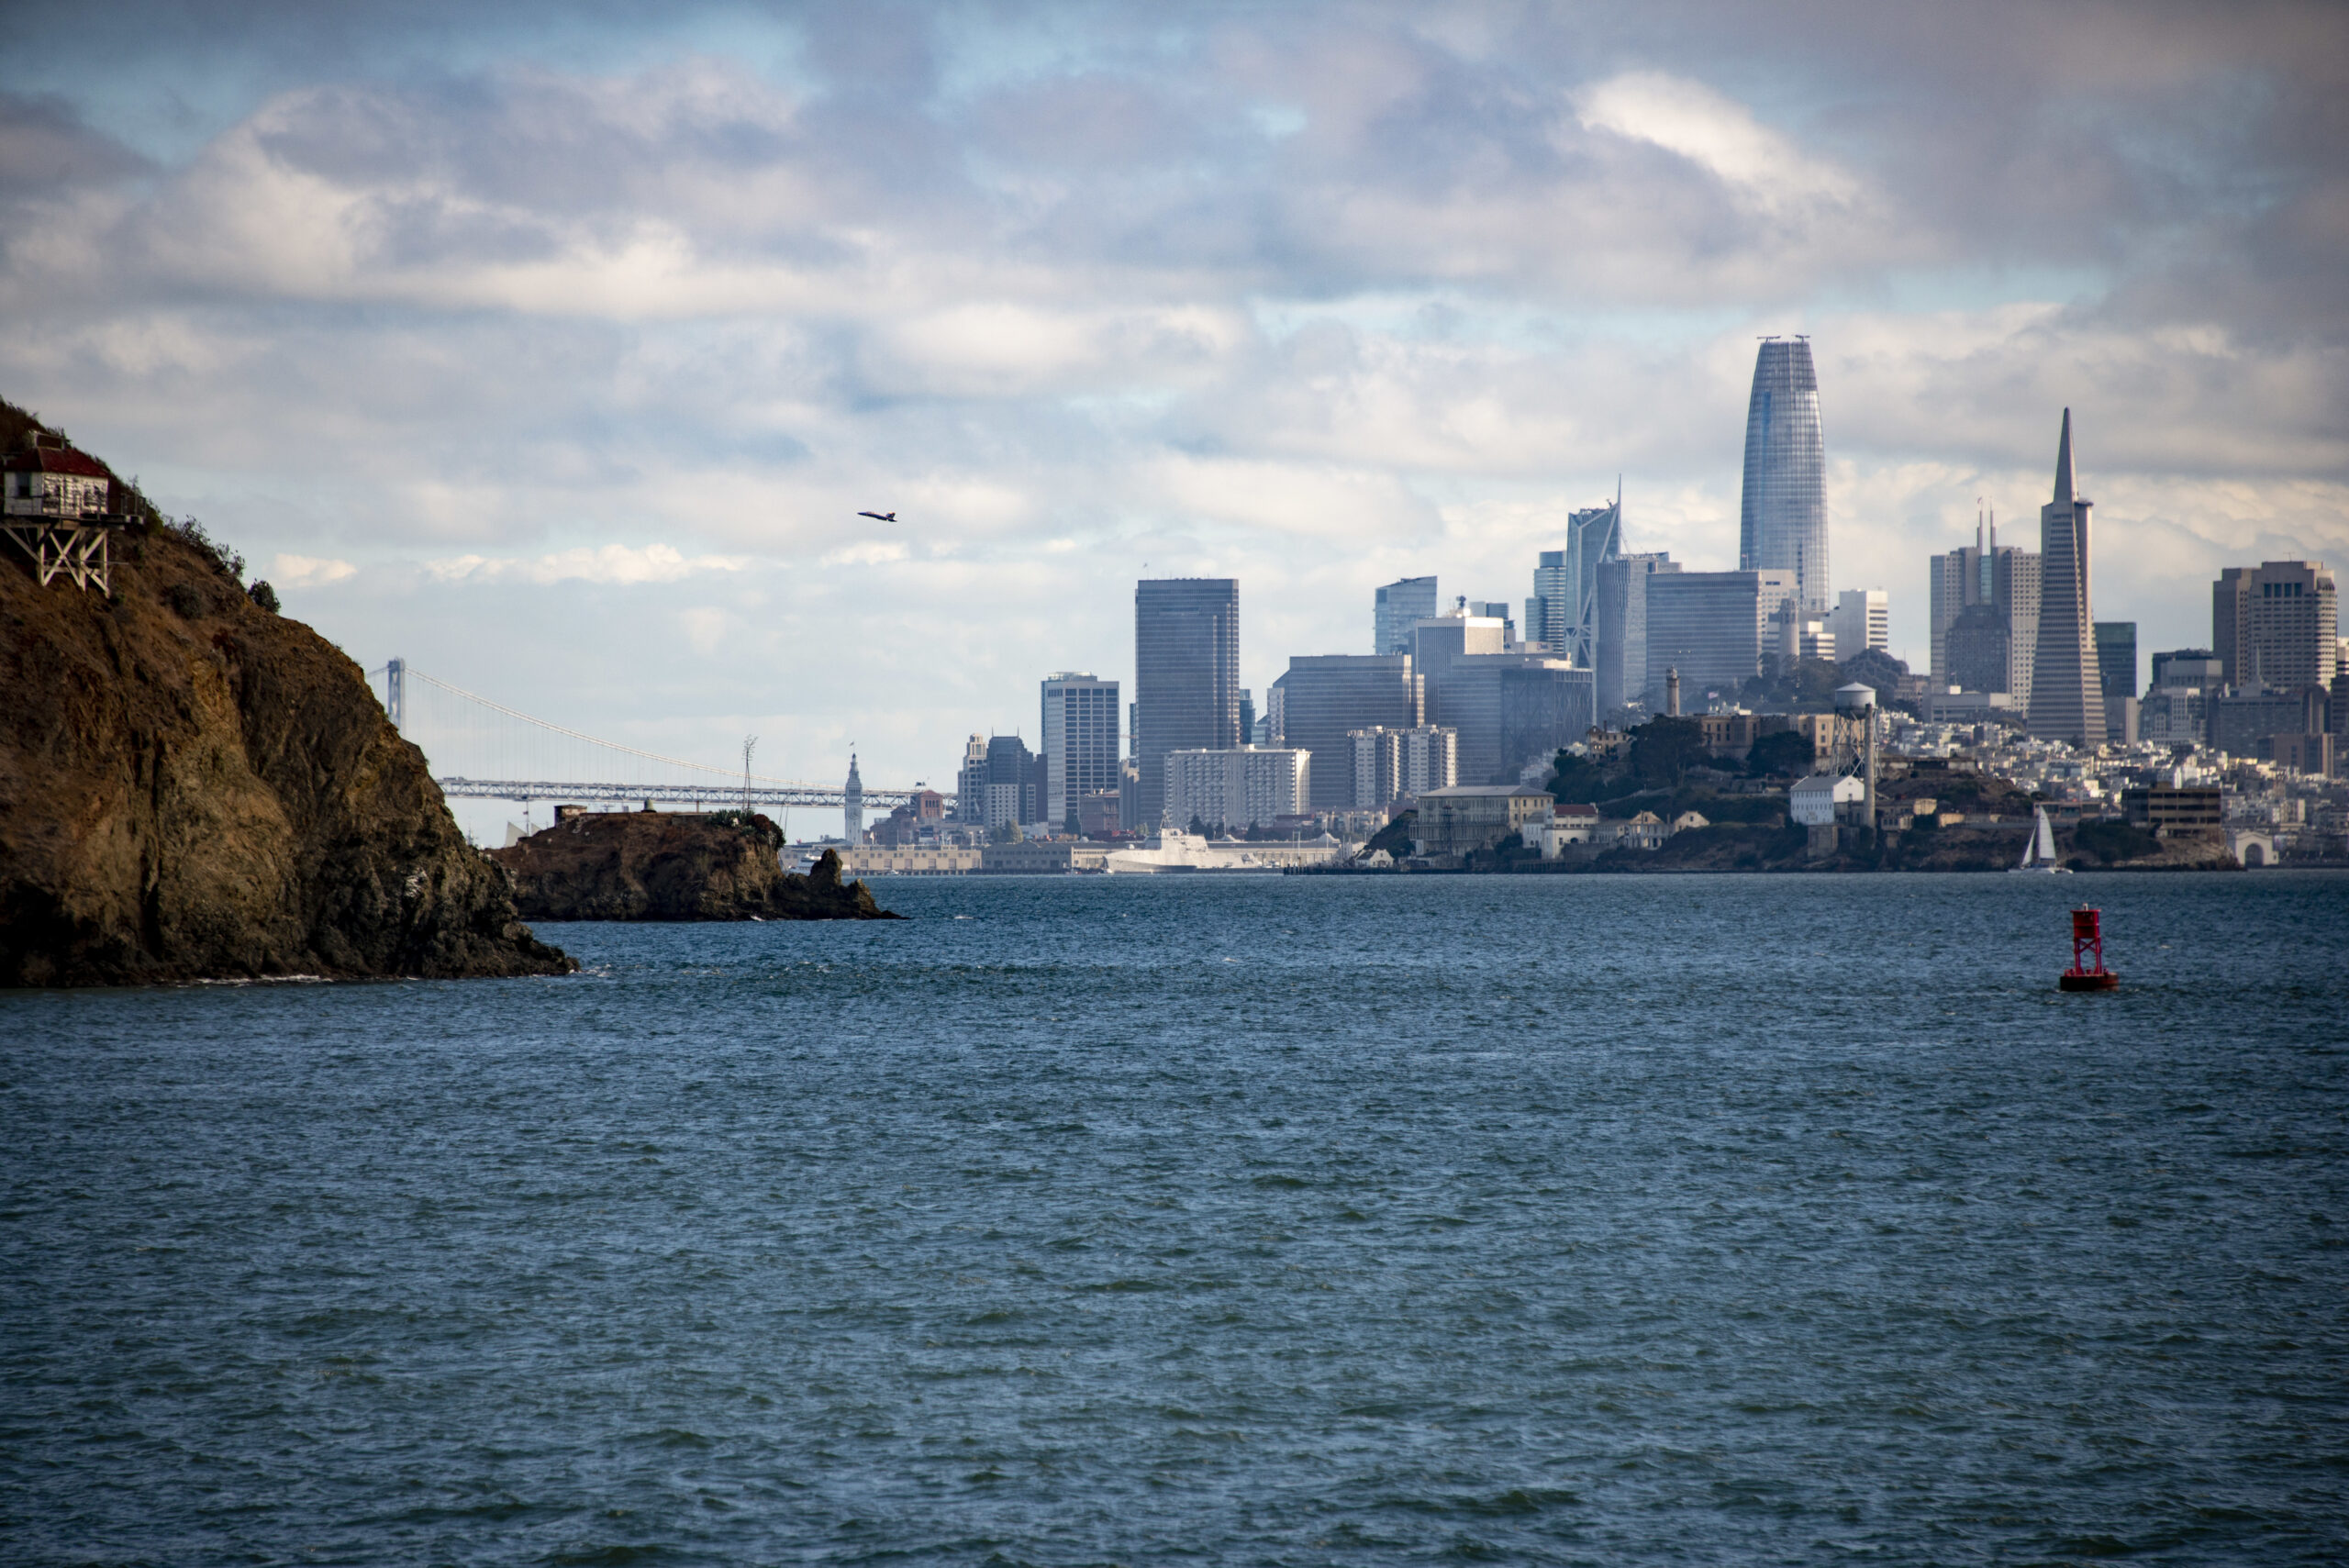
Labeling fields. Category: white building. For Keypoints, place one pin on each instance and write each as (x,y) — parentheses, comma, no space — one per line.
(1238,788)
(1813,801)
(1392,763)
(971,782)
(1862,619)
(1080,741)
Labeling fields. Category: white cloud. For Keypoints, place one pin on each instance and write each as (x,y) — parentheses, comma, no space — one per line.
(309,570)
(611,564)
(1717,133)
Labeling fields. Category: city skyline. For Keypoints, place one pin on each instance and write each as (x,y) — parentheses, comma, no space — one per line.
(481,336)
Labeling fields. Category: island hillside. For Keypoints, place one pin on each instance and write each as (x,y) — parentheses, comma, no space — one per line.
(192,786)
(660,865)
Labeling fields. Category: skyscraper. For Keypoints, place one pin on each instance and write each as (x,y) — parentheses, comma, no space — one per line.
(971,782)
(1712,626)
(2116,679)
(1399,607)
(1328,697)
(2004,581)
(1187,677)
(1782,520)
(1011,782)
(2276,626)
(1621,664)
(1080,741)
(2066,701)
(1863,619)
(1563,614)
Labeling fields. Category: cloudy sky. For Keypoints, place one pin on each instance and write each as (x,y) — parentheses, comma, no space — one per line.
(557,351)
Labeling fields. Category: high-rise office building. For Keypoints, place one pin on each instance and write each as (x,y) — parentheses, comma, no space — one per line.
(1186,675)
(1399,607)
(971,782)
(1080,738)
(2276,626)
(1392,764)
(1011,782)
(1977,649)
(1329,696)
(1439,640)
(2176,708)
(1495,609)
(1236,787)
(1620,642)
(1986,573)
(1863,619)
(1713,627)
(1563,614)
(1782,516)
(1513,709)
(2116,679)
(2066,703)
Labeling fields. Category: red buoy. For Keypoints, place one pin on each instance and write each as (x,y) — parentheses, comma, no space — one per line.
(2088,972)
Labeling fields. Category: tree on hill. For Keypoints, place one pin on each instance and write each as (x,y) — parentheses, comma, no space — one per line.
(1663,750)
(1786,751)
(1576,778)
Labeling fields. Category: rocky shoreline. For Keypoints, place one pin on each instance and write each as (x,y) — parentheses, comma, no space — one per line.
(659,865)
(192,786)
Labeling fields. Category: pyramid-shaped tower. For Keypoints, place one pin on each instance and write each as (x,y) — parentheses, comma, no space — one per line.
(2066,700)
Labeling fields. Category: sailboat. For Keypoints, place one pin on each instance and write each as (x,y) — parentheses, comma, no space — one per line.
(2039,853)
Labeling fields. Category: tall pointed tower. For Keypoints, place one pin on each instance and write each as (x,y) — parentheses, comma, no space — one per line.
(2067,699)
(1782,515)
(852,800)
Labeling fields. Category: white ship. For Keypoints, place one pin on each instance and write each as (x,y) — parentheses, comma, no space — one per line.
(1171,851)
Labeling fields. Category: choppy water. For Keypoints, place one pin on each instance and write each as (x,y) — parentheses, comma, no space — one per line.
(1281,1221)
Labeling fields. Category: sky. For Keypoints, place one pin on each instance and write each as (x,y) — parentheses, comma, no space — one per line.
(556,348)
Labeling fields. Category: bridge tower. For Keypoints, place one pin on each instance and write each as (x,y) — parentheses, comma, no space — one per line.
(852,799)
(395,694)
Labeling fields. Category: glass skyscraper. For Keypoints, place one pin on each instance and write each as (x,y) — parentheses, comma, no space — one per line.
(1399,607)
(1187,677)
(1782,520)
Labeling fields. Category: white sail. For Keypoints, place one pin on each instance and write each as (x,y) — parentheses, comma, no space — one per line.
(2044,843)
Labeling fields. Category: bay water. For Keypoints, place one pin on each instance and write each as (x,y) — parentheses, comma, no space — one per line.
(1212,1219)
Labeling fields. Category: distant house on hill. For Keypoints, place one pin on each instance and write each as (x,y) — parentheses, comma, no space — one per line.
(47,480)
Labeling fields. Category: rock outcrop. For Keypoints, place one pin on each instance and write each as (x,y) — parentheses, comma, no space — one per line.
(660,865)
(192,786)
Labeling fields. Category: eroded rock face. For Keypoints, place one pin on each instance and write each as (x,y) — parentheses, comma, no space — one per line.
(659,865)
(193,787)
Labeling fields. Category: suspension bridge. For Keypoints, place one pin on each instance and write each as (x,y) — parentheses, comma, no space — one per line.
(479,748)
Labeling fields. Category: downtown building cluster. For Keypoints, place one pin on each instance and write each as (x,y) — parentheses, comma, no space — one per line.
(1467,696)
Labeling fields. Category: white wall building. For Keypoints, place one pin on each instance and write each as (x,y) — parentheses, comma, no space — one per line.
(1397,763)
(1236,789)
(1080,741)
(1813,801)
(1862,619)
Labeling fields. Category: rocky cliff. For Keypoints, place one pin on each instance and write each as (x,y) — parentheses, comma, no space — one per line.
(659,865)
(192,786)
